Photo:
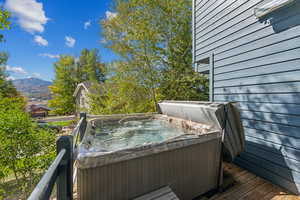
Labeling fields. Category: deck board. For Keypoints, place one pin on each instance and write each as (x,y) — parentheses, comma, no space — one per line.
(248,186)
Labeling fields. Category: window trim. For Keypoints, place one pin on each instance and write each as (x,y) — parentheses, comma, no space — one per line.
(211,77)
(207,68)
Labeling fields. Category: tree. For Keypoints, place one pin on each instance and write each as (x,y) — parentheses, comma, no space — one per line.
(69,72)
(154,38)
(4,21)
(26,150)
(120,93)
(63,86)
(90,67)
(7,88)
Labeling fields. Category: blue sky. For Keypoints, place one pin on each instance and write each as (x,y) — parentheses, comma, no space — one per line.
(43,29)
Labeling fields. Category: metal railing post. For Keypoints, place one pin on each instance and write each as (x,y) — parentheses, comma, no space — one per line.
(65,178)
(83,125)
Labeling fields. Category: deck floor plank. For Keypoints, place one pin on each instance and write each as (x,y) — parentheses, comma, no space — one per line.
(243,189)
(258,192)
(248,186)
(247,178)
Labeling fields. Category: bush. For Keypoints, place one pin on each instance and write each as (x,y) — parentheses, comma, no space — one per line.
(26,150)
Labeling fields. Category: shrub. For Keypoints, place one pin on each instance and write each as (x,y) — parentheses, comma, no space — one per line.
(26,150)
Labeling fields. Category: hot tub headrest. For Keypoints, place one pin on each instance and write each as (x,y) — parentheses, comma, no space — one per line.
(220,116)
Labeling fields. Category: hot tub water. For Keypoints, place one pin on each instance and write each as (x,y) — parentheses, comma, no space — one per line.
(113,137)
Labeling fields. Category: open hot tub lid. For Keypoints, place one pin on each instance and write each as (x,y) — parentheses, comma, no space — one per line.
(220,116)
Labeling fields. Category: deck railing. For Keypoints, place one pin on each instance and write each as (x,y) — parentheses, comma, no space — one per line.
(61,169)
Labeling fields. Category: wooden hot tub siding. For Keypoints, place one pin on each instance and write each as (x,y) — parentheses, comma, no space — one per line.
(189,171)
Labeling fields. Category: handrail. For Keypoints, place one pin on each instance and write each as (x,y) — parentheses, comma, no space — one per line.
(61,169)
(78,134)
(75,133)
(44,187)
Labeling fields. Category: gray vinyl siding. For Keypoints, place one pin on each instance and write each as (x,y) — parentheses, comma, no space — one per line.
(256,63)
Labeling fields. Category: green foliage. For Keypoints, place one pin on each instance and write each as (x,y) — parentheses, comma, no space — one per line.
(68,74)
(187,85)
(153,38)
(26,150)
(63,86)
(89,66)
(7,89)
(4,21)
(61,123)
(121,94)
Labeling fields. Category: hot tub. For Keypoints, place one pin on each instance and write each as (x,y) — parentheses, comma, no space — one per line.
(124,156)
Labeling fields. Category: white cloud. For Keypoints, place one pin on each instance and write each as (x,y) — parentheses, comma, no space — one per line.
(110,15)
(103,41)
(17,70)
(29,13)
(49,55)
(40,40)
(87,24)
(36,75)
(10,78)
(70,42)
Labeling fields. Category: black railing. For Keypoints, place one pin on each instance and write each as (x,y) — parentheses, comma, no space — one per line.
(61,169)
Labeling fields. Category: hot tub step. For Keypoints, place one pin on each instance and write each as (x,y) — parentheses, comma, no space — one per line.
(164,193)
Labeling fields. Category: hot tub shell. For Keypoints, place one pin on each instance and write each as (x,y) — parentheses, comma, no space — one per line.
(190,165)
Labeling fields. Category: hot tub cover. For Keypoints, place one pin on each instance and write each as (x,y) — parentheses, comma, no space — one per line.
(220,116)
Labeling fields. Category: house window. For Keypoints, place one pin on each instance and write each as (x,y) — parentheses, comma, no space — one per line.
(202,66)
(206,66)
(82,102)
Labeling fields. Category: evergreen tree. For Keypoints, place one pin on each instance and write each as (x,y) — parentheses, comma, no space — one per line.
(89,66)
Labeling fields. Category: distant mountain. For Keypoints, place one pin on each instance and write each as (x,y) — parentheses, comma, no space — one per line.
(33,88)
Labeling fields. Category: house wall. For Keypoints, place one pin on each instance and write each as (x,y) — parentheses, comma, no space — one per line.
(39,113)
(82,104)
(256,63)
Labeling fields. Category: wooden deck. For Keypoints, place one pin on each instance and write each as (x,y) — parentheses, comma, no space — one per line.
(248,186)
